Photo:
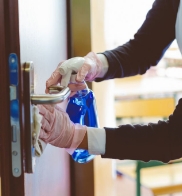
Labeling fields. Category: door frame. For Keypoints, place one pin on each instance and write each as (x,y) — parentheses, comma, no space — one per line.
(9,43)
(79,44)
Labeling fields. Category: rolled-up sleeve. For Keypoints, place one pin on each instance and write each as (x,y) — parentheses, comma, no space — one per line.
(96,140)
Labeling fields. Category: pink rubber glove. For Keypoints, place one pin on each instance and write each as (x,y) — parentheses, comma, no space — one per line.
(87,68)
(91,68)
(57,128)
(56,79)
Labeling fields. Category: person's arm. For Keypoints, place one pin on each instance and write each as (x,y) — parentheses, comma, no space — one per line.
(148,46)
(135,57)
(160,141)
(156,141)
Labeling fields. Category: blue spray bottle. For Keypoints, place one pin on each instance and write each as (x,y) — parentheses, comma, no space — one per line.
(82,109)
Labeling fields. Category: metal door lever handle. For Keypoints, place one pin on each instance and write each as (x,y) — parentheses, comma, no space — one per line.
(63,94)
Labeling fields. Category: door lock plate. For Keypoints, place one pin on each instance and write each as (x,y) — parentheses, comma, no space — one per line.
(14,115)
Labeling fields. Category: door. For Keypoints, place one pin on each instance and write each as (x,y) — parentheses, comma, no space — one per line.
(33,31)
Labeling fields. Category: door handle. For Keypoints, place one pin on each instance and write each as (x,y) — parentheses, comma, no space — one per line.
(59,94)
(63,92)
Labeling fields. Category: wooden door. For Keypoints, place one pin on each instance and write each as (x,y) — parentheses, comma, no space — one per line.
(35,31)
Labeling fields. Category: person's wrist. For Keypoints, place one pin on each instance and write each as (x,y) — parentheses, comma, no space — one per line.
(105,65)
(84,143)
(79,132)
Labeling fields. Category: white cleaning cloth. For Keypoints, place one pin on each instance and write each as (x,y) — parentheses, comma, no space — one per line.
(38,144)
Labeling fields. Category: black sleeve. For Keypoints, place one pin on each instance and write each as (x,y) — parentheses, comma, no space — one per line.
(161,141)
(149,43)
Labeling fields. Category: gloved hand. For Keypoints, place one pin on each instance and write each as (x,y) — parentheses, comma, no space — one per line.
(58,130)
(87,68)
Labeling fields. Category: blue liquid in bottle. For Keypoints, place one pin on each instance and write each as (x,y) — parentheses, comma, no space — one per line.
(82,109)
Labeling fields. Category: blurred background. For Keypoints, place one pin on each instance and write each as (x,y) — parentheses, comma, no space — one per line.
(140,99)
